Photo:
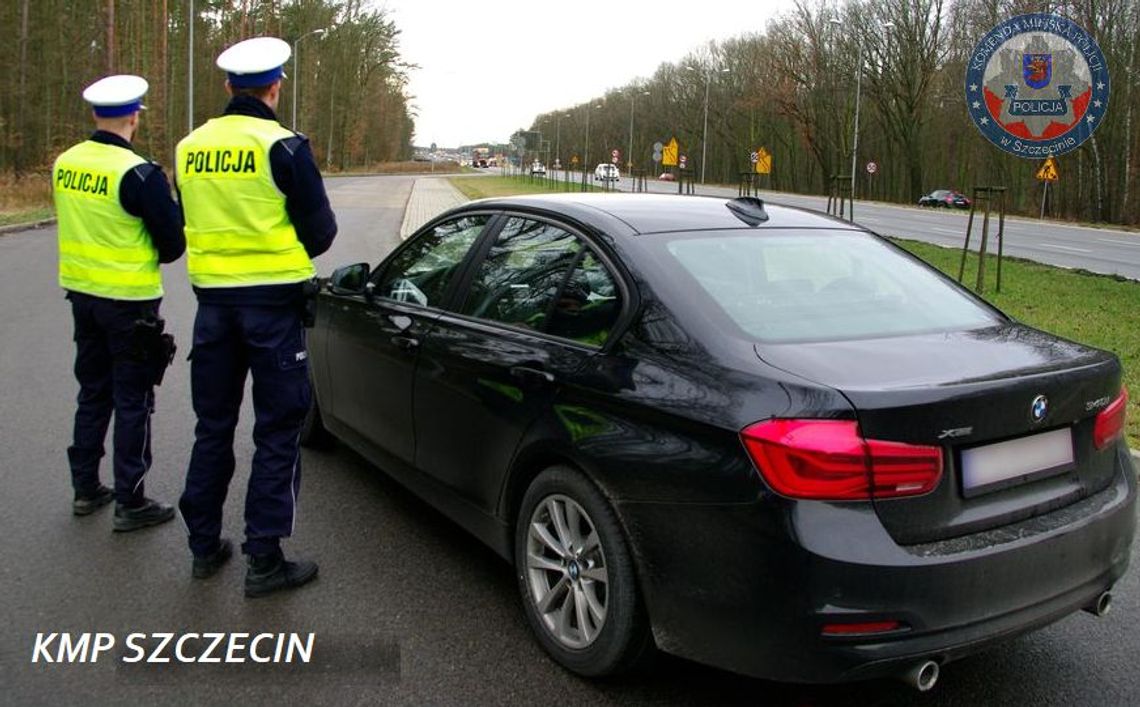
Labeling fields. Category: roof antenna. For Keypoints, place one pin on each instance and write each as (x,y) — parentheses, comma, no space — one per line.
(749,209)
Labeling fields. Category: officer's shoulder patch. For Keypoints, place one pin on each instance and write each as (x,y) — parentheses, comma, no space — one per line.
(292,144)
(145,169)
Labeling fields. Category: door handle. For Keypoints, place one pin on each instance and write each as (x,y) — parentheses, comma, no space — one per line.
(401,322)
(532,375)
(406,343)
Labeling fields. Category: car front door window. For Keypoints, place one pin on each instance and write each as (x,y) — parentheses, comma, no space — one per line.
(421,272)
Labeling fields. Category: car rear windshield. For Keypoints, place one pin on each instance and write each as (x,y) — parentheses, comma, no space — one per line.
(783,286)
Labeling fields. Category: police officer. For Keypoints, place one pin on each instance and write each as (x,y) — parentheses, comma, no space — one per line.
(117,222)
(256,212)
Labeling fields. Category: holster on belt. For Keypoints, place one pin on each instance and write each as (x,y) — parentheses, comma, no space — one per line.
(309,291)
(152,346)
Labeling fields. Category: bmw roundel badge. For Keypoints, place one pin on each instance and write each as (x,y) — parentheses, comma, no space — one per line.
(1039,408)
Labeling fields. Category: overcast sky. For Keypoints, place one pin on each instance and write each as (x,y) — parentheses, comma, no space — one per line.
(488,67)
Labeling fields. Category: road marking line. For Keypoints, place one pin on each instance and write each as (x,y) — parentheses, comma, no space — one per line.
(951,231)
(1064,247)
(1109,240)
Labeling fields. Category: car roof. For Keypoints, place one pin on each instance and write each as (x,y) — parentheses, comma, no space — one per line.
(661,213)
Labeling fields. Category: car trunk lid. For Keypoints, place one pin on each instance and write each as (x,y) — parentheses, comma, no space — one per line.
(972,394)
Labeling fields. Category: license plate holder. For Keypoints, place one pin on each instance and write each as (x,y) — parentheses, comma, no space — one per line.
(993,467)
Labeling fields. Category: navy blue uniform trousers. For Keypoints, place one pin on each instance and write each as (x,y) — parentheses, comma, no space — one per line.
(111,380)
(229,342)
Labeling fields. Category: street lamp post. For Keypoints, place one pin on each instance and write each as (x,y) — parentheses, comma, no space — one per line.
(190,66)
(296,72)
(586,157)
(629,154)
(558,137)
(705,133)
(858,95)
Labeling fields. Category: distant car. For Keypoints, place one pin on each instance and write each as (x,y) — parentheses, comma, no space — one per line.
(945,198)
(667,177)
(606,172)
(538,168)
(749,435)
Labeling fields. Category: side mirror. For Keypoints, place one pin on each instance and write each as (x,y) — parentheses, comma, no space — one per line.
(350,279)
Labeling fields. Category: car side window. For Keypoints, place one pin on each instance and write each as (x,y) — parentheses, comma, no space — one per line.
(518,280)
(421,272)
(588,305)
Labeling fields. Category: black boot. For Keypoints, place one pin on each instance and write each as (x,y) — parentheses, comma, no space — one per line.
(270,573)
(151,512)
(87,502)
(208,565)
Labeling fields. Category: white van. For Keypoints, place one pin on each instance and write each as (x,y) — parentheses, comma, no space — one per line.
(607,172)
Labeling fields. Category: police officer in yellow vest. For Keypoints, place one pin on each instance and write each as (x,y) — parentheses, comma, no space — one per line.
(117,222)
(256,212)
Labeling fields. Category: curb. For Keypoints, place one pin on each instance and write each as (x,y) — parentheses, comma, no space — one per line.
(17,227)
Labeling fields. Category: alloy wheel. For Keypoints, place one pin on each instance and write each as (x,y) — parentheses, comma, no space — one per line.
(566,571)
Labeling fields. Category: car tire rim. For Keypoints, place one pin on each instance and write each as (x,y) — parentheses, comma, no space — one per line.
(566,571)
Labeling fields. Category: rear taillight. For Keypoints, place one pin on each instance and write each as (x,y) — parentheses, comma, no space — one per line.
(1110,421)
(830,460)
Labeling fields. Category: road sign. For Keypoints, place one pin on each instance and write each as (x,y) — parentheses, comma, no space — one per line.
(1048,171)
(574,159)
(658,147)
(682,160)
(669,154)
(754,157)
(763,161)
(657,155)
(872,168)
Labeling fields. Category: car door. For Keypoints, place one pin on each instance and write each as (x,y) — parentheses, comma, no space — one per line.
(533,309)
(377,334)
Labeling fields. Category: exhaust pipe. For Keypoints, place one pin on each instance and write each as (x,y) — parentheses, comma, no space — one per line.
(922,676)
(1101,606)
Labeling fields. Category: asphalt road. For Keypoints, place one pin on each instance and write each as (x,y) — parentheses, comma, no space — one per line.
(1101,250)
(408,608)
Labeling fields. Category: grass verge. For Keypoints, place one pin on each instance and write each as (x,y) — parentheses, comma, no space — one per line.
(409,167)
(482,187)
(25,199)
(7,218)
(1098,310)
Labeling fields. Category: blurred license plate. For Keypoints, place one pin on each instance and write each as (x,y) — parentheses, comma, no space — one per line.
(995,466)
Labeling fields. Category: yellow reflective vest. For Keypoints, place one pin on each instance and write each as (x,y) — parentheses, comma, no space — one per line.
(238,233)
(103,250)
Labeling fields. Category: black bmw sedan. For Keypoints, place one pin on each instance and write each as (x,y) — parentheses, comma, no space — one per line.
(752,436)
(945,198)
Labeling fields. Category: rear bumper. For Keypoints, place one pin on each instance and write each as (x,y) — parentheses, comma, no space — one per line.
(748,587)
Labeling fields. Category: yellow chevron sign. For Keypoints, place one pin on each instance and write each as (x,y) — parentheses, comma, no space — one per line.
(669,154)
(763,161)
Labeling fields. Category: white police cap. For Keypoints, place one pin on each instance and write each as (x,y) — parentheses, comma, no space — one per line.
(115,96)
(255,62)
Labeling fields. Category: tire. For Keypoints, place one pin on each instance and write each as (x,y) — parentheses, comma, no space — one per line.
(313,432)
(579,578)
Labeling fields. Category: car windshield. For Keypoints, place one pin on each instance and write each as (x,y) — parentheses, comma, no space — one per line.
(782,286)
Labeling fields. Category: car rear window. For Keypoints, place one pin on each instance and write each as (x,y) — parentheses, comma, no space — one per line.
(822,285)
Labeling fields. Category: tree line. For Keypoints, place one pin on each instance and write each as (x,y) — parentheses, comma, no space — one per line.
(350,79)
(791,89)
